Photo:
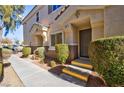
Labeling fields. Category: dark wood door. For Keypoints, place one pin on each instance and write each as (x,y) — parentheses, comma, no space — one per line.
(85,39)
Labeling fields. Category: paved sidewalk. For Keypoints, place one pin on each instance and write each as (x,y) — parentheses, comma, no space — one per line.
(34,76)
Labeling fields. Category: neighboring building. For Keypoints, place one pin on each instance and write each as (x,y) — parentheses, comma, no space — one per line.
(73,25)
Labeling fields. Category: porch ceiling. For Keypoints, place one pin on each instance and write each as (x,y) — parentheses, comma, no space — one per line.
(81,22)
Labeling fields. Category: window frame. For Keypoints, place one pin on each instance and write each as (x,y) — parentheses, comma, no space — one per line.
(55,42)
(52,8)
(37,17)
(53,36)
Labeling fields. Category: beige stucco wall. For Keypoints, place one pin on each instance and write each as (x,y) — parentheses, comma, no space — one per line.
(93,19)
(66,23)
(114,20)
(46,20)
(104,22)
(26,30)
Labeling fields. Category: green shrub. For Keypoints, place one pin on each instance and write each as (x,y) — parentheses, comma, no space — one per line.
(52,64)
(6,52)
(62,51)
(1,69)
(41,52)
(107,57)
(26,51)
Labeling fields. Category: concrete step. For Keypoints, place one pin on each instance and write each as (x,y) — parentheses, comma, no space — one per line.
(72,79)
(80,69)
(76,73)
(82,64)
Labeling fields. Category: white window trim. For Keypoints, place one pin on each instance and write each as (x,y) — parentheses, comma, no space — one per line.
(53,47)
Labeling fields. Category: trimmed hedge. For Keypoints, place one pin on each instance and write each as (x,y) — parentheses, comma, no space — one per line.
(1,69)
(107,57)
(62,51)
(41,52)
(26,51)
(6,53)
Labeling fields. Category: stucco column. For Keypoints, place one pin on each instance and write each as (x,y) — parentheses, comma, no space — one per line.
(97,32)
(69,34)
(97,25)
(70,39)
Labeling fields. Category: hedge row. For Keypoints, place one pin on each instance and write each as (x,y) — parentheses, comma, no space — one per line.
(107,57)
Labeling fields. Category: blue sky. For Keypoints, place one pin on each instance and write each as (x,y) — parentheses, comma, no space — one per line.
(18,33)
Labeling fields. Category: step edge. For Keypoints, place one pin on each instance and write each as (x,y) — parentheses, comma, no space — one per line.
(82,64)
(82,77)
(80,69)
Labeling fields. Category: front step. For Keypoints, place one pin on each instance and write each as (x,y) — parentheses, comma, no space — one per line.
(73,79)
(76,73)
(80,69)
(83,64)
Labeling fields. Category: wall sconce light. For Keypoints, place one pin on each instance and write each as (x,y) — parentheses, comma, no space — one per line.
(45,28)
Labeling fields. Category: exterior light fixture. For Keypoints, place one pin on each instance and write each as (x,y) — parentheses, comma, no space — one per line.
(45,28)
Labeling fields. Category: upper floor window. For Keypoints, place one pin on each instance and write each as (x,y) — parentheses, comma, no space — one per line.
(37,17)
(52,8)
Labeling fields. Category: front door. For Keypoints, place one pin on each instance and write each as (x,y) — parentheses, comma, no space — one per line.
(85,39)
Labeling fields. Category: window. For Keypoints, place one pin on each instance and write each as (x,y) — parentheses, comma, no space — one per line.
(49,9)
(37,17)
(59,38)
(52,40)
(56,39)
(52,8)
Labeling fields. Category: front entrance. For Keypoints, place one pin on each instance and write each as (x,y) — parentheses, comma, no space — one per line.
(85,39)
(39,40)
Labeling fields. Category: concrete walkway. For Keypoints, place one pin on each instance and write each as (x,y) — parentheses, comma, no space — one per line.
(34,76)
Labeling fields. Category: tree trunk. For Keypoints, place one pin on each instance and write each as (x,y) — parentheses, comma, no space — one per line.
(1,58)
(1,32)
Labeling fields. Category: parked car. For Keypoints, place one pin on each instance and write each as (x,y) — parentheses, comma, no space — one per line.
(19,48)
(14,47)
